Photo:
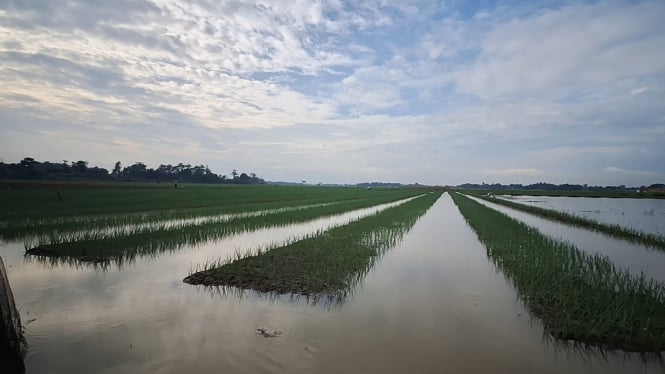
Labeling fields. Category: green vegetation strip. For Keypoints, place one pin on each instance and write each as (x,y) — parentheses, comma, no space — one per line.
(36,214)
(151,240)
(329,263)
(652,240)
(578,296)
(30,205)
(133,221)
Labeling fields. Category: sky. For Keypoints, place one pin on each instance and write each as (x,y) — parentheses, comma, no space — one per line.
(433,92)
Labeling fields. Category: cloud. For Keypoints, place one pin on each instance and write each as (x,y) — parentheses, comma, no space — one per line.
(568,51)
(187,59)
(613,169)
(639,90)
(516,172)
(338,90)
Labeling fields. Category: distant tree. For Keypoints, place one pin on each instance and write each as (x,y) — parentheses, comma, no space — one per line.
(29,168)
(5,172)
(117,169)
(244,179)
(199,172)
(27,162)
(80,166)
(137,171)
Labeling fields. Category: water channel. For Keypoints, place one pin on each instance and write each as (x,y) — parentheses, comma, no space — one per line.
(434,303)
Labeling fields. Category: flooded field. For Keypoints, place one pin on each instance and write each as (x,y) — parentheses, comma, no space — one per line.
(647,215)
(433,303)
(635,258)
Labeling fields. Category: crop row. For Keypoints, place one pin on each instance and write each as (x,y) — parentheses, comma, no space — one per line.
(578,296)
(617,231)
(118,246)
(329,263)
(46,224)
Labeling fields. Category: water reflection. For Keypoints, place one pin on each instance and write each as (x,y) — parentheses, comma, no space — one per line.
(75,226)
(33,235)
(331,263)
(633,257)
(647,215)
(99,253)
(324,301)
(434,304)
(572,350)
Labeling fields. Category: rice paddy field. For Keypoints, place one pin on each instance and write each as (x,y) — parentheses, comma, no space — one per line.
(263,279)
(646,215)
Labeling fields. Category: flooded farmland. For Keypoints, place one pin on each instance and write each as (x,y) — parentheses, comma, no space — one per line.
(636,258)
(434,303)
(647,215)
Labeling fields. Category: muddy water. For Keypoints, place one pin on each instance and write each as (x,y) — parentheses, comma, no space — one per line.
(635,258)
(647,215)
(432,304)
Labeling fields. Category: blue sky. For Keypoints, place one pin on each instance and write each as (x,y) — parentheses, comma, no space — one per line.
(440,92)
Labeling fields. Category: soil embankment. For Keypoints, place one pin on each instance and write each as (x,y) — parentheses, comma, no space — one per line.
(12,342)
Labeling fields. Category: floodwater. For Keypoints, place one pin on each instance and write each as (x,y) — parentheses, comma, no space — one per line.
(636,258)
(647,215)
(434,303)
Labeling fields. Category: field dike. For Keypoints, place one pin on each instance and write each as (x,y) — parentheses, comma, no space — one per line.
(620,232)
(120,247)
(578,297)
(329,263)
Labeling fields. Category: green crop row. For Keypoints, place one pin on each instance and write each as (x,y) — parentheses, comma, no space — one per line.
(118,246)
(617,231)
(63,216)
(328,263)
(578,296)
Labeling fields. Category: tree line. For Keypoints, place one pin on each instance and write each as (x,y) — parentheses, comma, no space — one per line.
(31,169)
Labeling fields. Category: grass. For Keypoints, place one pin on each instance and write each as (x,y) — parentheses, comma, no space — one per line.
(578,296)
(39,212)
(329,263)
(617,231)
(117,245)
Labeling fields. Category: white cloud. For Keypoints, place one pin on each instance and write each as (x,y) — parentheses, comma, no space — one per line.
(203,77)
(613,169)
(639,90)
(515,172)
(340,89)
(567,52)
